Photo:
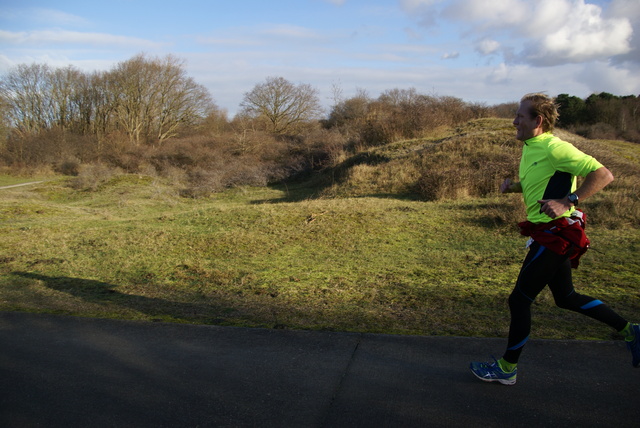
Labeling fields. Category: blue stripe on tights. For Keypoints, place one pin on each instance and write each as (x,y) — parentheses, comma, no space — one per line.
(519,345)
(591,304)
(540,251)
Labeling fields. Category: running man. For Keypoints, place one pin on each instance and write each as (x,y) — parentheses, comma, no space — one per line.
(548,171)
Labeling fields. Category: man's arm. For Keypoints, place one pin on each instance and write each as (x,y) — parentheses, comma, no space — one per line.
(592,184)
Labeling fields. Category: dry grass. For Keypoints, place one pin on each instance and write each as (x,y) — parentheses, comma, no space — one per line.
(472,160)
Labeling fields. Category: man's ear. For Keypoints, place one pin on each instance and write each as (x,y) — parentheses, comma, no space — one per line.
(539,121)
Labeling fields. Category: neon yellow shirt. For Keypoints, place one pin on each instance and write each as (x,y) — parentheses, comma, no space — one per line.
(548,170)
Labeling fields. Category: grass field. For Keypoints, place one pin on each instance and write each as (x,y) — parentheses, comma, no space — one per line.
(279,258)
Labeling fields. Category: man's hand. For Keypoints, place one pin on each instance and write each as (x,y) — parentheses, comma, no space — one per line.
(593,183)
(554,207)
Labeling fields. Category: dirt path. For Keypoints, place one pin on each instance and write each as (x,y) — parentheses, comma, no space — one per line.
(21,184)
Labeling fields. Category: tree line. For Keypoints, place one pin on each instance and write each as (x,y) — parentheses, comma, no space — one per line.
(602,115)
(147,115)
(148,100)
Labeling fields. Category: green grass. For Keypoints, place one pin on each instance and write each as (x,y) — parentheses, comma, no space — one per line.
(350,250)
(279,258)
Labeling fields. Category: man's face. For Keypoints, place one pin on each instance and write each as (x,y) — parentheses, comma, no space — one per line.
(526,125)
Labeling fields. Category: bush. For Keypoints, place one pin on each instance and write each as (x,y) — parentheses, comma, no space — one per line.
(69,167)
(397,115)
(202,183)
(600,131)
(92,176)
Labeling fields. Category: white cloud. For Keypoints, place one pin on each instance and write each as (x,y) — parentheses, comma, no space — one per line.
(291,31)
(601,77)
(43,16)
(500,75)
(74,37)
(418,5)
(628,9)
(624,8)
(486,14)
(511,81)
(285,36)
(426,10)
(487,46)
(585,35)
(56,18)
(566,46)
(229,42)
(547,16)
(539,32)
(58,59)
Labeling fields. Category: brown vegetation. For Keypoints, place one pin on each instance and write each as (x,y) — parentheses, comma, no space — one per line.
(146,116)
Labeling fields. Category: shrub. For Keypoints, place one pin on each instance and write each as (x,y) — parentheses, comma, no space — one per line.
(92,176)
(202,183)
(69,167)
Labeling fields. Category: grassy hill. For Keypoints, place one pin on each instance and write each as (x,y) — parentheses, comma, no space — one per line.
(405,238)
(471,161)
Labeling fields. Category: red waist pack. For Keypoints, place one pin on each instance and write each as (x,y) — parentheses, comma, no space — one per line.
(562,236)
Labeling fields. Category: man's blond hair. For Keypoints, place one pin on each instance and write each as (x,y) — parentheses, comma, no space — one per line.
(545,106)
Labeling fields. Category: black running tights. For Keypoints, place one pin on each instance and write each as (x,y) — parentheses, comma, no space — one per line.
(540,268)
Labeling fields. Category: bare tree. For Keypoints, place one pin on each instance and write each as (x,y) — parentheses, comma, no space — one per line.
(181,101)
(399,97)
(284,105)
(154,98)
(148,99)
(24,91)
(132,87)
(5,126)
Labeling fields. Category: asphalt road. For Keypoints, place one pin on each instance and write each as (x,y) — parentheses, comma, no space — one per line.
(60,371)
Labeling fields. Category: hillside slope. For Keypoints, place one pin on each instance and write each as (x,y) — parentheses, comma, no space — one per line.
(471,161)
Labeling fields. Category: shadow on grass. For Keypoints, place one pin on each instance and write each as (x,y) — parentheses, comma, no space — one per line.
(105,294)
(503,214)
(299,196)
(311,185)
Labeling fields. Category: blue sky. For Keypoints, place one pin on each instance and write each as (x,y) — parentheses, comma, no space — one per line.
(480,51)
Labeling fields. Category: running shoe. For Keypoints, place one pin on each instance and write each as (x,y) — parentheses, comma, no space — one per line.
(491,372)
(634,345)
